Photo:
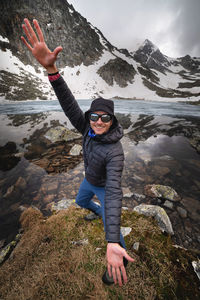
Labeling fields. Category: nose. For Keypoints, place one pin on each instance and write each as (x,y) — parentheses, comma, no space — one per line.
(99,121)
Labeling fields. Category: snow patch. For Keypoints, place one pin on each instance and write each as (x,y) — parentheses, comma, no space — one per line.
(2,39)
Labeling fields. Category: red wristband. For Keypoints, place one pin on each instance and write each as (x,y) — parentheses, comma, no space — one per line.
(53,77)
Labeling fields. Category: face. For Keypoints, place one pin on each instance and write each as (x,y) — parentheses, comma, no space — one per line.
(100,127)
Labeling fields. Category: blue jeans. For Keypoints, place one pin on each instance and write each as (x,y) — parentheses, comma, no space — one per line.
(84,199)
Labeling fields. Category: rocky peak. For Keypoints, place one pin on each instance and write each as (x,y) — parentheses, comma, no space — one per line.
(150,56)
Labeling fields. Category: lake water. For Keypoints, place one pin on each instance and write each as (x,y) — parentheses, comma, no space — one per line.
(135,107)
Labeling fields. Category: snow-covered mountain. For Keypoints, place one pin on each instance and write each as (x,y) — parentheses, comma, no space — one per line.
(90,64)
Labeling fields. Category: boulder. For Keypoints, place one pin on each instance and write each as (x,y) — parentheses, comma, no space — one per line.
(161,191)
(61,133)
(62,204)
(158,213)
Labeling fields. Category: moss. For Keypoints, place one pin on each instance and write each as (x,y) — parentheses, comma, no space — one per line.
(47,265)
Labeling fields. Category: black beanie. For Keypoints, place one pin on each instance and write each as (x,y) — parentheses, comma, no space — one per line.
(101,104)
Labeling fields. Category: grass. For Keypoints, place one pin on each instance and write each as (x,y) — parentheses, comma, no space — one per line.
(47,265)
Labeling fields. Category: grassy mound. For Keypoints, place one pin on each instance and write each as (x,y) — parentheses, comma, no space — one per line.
(46,264)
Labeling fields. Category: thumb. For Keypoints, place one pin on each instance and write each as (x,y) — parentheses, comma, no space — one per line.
(57,51)
(128,257)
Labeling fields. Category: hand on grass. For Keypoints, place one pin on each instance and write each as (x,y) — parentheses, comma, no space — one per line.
(115,254)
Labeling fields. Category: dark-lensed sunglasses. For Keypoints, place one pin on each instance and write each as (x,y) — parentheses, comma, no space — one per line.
(105,118)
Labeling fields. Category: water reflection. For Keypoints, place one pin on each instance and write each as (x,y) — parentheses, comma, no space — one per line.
(162,160)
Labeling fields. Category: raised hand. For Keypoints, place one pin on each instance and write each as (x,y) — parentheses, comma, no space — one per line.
(38,46)
(115,254)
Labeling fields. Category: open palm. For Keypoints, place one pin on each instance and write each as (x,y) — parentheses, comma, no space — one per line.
(38,46)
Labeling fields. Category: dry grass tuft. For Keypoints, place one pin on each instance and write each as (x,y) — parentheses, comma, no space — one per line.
(47,265)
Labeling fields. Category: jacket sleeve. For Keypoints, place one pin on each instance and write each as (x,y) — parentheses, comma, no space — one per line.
(69,104)
(113,195)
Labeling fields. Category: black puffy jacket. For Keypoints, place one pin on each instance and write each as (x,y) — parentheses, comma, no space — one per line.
(103,157)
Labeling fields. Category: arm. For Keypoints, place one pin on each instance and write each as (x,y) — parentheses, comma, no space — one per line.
(47,59)
(69,104)
(113,203)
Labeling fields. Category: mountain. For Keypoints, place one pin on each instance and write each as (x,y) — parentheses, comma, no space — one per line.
(91,65)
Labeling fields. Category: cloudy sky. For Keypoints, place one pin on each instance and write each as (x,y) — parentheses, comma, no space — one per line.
(172,25)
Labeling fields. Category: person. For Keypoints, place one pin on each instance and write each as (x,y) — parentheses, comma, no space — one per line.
(102,153)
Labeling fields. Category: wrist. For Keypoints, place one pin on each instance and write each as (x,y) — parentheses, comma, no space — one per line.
(52,70)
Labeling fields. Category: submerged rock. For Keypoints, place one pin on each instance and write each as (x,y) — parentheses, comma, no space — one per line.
(158,213)
(161,191)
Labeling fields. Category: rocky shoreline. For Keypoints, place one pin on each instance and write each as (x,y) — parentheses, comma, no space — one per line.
(50,169)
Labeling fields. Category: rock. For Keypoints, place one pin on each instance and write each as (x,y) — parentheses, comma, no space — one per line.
(160,171)
(125,208)
(112,72)
(6,251)
(12,192)
(161,191)
(60,133)
(196,266)
(126,192)
(2,243)
(192,206)
(158,213)
(21,183)
(182,212)
(76,150)
(125,231)
(20,154)
(138,178)
(9,148)
(136,246)
(62,204)
(139,197)
(80,242)
(42,163)
(168,204)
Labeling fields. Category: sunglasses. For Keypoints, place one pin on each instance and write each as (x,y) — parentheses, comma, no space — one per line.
(105,118)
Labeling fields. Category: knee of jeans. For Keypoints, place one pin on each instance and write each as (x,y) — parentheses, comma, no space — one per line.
(79,202)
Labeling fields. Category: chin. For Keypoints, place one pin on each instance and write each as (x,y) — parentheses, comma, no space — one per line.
(99,131)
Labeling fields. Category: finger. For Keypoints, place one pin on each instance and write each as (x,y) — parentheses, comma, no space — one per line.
(109,270)
(124,276)
(114,275)
(27,44)
(27,34)
(38,30)
(128,257)
(57,51)
(119,276)
(31,31)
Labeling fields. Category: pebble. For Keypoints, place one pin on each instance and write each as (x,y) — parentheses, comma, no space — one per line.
(182,212)
(168,204)
(136,246)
